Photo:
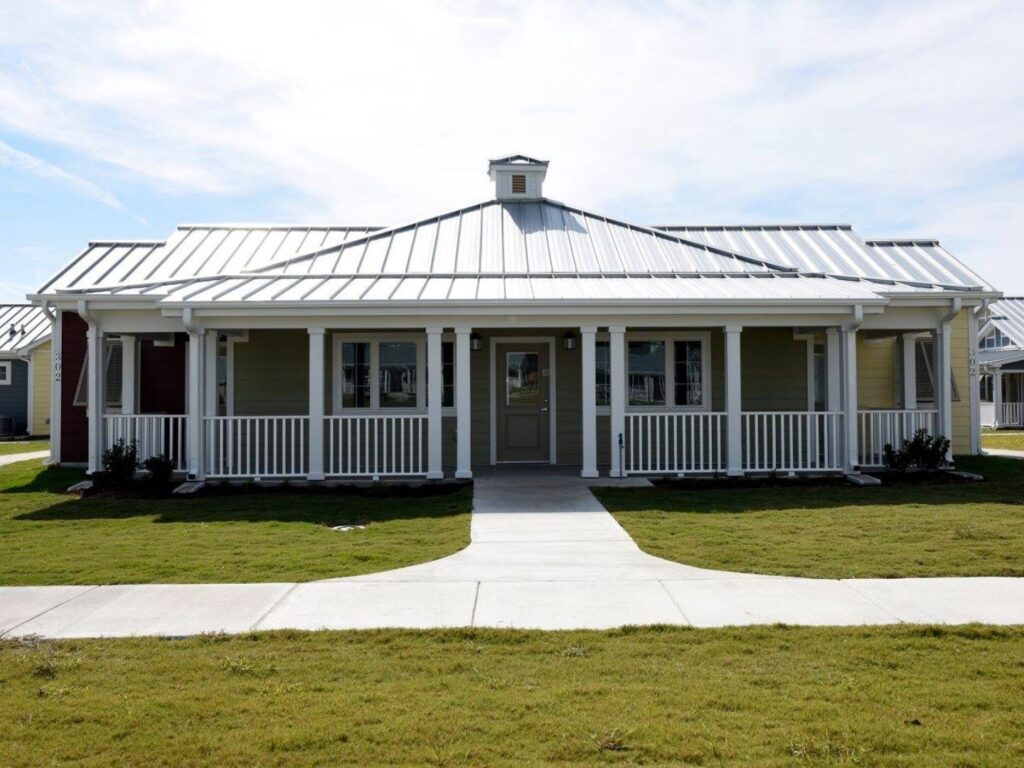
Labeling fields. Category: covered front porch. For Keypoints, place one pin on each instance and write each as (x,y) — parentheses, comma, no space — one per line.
(698,396)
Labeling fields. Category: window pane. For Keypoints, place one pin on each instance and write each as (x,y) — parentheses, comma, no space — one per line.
(222,376)
(603,377)
(689,378)
(397,374)
(448,374)
(646,373)
(820,378)
(522,383)
(112,375)
(355,375)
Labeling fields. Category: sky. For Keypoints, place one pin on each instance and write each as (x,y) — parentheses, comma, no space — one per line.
(123,120)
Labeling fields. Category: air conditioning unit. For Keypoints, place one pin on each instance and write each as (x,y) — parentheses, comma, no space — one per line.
(6,426)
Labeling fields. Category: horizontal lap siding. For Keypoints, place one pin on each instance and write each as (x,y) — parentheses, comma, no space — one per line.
(272,373)
(162,376)
(774,370)
(74,425)
(960,354)
(14,396)
(876,372)
(41,367)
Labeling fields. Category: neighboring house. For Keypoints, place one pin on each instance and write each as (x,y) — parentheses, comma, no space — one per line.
(1001,355)
(519,329)
(25,370)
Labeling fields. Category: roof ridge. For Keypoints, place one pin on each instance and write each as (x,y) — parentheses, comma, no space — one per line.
(274,225)
(921,241)
(741,227)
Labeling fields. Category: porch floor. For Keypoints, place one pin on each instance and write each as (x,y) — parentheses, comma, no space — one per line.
(544,554)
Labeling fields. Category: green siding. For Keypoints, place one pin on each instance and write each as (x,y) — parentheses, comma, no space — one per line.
(774,370)
(272,374)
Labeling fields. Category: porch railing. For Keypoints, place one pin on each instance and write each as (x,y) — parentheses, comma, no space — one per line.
(676,443)
(792,441)
(153,434)
(879,428)
(256,446)
(1012,415)
(375,445)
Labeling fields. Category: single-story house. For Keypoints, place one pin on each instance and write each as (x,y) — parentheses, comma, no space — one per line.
(25,370)
(515,330)
(1001,355)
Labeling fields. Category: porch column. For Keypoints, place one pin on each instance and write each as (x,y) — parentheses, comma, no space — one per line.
(56,392)
(848,338)
(588,432)
(128,404)
(94,404)
(833,396)
(463,413)
(997,398)
(974,375)
(316,404)
(196,468)
(617,352)
(943,382)
(733,400)
(435,387)
(908,344)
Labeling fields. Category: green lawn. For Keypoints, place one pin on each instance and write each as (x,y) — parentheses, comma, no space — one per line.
(836,530)
(7,447)
(1004,438)
(769,696)
(47,537)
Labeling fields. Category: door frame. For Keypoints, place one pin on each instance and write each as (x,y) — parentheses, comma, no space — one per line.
(493,349)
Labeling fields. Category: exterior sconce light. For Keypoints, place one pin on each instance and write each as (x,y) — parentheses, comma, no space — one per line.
(569,341)
(475,342)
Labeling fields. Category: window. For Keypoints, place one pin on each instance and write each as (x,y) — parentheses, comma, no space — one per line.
(5,373)
(646,373)
(355,374)
(603,374)
(111,374)
(222,375)
(689,373)
(518,184)
(447,374)
(397,379)
(996,340)
(985,386)
(820,378)
(925,372)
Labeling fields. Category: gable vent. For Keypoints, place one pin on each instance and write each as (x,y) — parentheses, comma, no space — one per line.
(518,184)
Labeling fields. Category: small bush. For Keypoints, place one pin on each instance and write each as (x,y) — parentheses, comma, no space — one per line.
(161,471)
(924,451)
(120,462)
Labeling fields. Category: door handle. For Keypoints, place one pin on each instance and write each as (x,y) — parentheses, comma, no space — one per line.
(543,410)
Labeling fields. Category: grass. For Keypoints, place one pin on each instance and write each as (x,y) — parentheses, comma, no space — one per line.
(1007,439)
(8,447)
(836,530)
(762,696)
(48,537)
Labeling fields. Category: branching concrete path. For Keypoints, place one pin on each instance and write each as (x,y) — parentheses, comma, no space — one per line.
(14,458)
(544,554)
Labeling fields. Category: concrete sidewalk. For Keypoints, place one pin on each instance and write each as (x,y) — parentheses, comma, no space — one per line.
(544,554)
(14,458)
(1005,452)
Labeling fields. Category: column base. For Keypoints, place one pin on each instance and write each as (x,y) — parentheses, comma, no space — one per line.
(312,476)
(589,474)
(464,474)
(734,472)
(435,475)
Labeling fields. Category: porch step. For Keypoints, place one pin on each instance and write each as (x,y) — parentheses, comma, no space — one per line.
(189,487)
(81,487)
(863,480)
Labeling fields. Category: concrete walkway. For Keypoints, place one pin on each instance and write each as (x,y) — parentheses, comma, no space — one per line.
(1005,452)
(544,554)
(14,458)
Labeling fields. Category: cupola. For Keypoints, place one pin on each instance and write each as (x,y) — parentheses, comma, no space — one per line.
(518,177)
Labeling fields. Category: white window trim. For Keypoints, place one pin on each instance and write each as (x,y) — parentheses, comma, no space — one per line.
(337,379)
(8,377)
(704,337)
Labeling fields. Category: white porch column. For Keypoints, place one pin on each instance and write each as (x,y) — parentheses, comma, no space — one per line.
(733,400)
(997,398)
(974,375)
(316,404)
(848,338)
(617,353)
(435,388)
(463,412)
(943,379)
(908,344)
(588,359)
(833,398)
(196,360)
(94,404)
(128,396)
(56,392)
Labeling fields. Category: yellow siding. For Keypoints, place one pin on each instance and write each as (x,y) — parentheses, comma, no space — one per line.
(876,373)
(961,436)
(41,356)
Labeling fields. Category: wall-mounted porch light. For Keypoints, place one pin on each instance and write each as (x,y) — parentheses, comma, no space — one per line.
(475,342)
(569,341)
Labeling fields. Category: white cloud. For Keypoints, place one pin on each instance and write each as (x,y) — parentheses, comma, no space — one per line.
(20,161)
(890,114)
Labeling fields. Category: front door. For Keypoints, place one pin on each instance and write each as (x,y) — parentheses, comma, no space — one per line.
(523,398)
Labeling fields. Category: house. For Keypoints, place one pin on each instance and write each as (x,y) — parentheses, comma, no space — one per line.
(1001,356)
(518,329)
(25,370)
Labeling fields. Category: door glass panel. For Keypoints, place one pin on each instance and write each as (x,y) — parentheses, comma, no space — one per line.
(522,380)
(689,373)
(397,374)
(603,373)
(647,373)
(355,374)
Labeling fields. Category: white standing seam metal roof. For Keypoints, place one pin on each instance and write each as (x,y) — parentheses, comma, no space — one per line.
(194,251)
(835,249)
(1007,315)
(22,326)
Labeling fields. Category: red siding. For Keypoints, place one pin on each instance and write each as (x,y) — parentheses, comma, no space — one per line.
(162,376)
(74,425)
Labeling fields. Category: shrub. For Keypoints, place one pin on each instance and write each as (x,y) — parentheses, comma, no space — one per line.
(161,471)
(924,451)
(120,462)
